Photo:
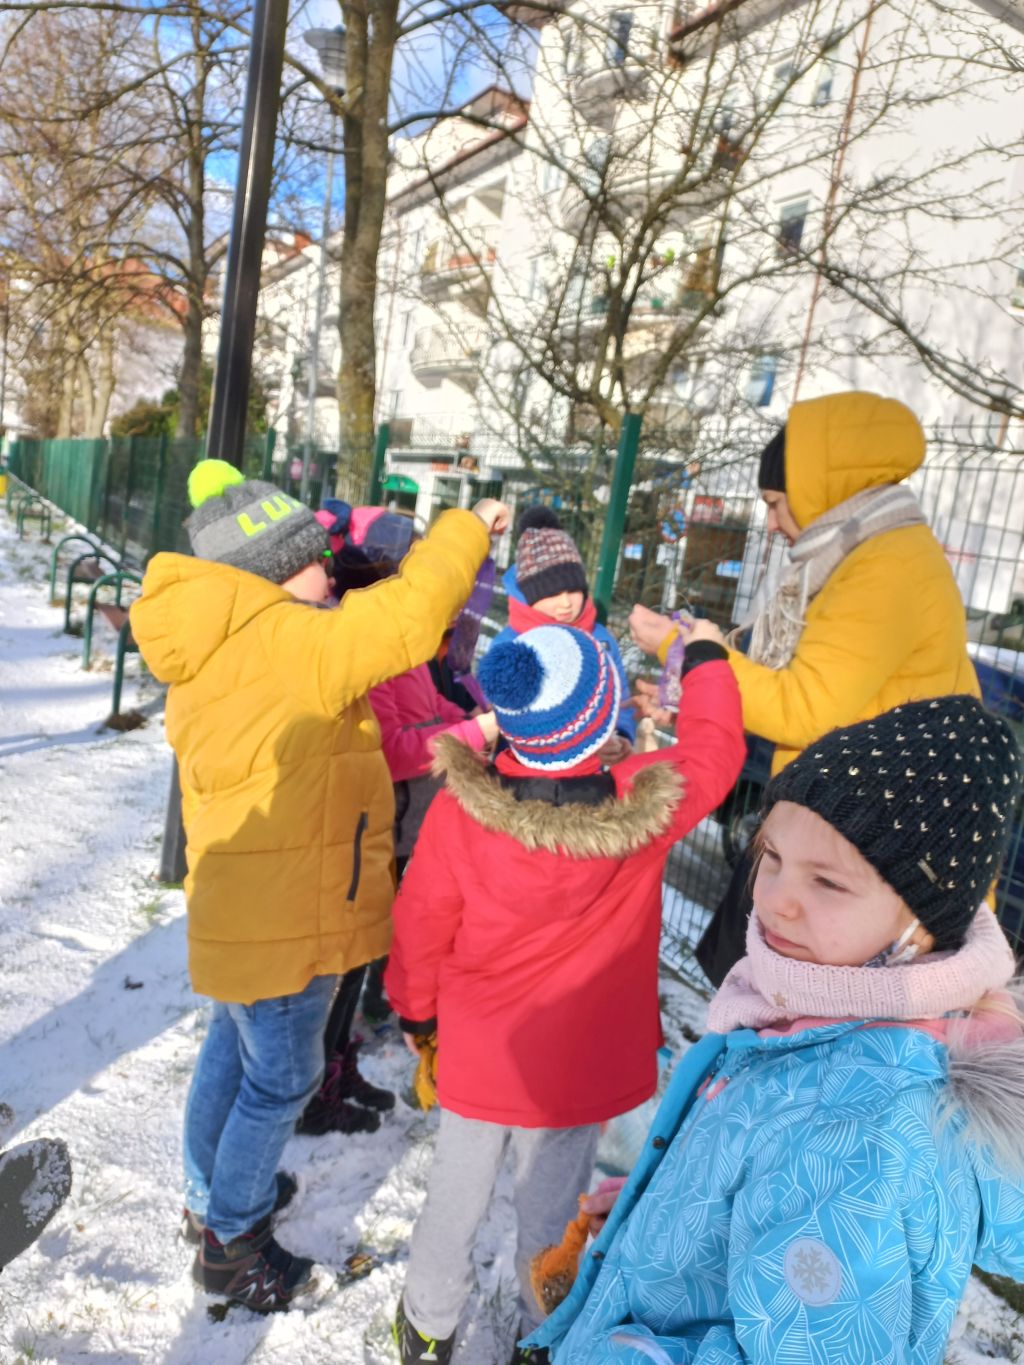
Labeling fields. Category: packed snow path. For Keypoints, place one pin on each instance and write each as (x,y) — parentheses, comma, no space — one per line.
(98,1035)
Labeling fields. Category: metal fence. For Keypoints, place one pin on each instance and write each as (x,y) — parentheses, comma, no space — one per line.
(131,492)
(695,536)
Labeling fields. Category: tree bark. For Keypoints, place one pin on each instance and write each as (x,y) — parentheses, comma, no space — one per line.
(372,31)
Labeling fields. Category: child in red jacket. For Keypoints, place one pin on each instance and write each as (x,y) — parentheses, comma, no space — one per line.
(526,934)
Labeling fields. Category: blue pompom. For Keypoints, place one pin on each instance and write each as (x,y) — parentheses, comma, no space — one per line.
(511,675)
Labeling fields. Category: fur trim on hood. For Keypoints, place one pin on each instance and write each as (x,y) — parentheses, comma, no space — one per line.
(986,1076)
(612,829)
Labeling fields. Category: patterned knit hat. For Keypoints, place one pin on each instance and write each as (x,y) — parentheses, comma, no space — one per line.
(547,560)
(250,524)
(926,793)
(555,694)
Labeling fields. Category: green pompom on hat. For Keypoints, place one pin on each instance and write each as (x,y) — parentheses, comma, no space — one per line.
(251,524)
(210,478)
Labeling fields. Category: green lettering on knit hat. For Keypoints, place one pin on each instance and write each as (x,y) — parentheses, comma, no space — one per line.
(250,527)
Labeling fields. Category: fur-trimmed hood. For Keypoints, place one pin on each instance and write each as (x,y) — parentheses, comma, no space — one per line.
(614,828)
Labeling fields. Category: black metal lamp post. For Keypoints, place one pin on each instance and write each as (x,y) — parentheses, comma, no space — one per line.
(241,290)
(329,44)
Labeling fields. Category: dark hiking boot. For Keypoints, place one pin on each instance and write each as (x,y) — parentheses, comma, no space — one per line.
(376,1006)
(532,1355)
(329,1112)
(354,1086)
(192,1224)
(252,1270)
(413,1346)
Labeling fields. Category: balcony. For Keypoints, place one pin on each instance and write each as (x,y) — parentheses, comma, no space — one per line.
(532,18)
(459,263)
(595,91)
(326,374)
(629,187)
(445,353)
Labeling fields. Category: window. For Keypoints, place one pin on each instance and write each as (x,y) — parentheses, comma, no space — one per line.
(551,177)
(406,324)
(823,85)
(1017,297)
(791,227)
(620,25)
(761,384)
(782,79)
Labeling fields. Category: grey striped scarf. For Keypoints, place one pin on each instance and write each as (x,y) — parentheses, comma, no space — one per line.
(777,614)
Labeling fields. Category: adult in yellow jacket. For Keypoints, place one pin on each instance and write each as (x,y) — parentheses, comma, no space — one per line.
(865,615)
(288,815)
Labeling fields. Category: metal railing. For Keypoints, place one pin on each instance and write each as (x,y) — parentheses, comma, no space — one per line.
(131,492)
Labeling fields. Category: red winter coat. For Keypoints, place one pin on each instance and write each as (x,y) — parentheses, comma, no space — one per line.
(531,930)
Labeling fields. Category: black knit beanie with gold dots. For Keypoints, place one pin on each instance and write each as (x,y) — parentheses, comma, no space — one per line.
(926,793)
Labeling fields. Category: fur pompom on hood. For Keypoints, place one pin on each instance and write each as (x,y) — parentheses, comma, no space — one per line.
(614,828)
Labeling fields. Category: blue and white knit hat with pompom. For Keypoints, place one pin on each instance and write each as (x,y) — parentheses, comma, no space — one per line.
(555,693)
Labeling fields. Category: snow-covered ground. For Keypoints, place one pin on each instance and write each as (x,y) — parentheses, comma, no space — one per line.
(99,1031)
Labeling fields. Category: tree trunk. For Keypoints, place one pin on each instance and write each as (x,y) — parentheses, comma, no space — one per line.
(189,417)
(372,28)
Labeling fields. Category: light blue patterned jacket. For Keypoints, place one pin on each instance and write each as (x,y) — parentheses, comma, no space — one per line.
(804,1206)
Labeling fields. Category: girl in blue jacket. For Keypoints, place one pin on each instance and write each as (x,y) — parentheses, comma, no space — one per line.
(832,1158)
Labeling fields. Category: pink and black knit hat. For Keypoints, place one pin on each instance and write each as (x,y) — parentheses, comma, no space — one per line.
(547,560)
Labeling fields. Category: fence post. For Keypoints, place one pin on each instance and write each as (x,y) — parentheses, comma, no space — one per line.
(611,540)
(268,456)
(161,473)
(380,450)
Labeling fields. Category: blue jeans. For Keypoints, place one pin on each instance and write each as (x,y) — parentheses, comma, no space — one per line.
(258,1067)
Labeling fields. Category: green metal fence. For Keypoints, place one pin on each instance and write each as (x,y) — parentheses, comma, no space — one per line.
(694,535)
(131,492)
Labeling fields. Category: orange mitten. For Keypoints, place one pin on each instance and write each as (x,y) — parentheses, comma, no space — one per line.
(553,1271)
(425,1082)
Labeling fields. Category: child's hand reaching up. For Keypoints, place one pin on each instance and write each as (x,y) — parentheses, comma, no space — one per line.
(494,515)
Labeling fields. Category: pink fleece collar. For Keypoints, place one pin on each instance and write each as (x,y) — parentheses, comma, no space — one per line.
(765,988)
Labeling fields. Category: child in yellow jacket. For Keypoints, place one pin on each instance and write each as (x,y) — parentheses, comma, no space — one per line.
(288,814)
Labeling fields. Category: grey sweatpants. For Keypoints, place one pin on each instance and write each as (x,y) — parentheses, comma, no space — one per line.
(553,1167)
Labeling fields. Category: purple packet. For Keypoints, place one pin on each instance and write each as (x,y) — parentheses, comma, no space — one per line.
(462,645)
(670,684)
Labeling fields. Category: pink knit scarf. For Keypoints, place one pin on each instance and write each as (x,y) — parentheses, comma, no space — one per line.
(766,988)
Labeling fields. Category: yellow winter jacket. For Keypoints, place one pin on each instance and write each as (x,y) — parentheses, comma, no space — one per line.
(287,800)
(889,624)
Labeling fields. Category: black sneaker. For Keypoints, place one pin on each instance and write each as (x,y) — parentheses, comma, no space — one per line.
(533,1355)
(192,1224)
(413,1346)
(329,1112)
(355,1087)
(252,1270)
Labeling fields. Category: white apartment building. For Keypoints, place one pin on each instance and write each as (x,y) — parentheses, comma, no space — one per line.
(700,213)
(667,160)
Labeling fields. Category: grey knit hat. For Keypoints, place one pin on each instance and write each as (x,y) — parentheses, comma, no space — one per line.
(926,793)
(251,524)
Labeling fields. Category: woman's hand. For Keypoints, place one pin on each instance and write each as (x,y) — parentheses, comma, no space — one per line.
(494,515)
(703,629)
(600,1204)
(648,628)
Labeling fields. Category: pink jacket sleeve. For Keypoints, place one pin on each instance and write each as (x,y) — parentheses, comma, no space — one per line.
(408,748)
(426,914)
(710,746)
